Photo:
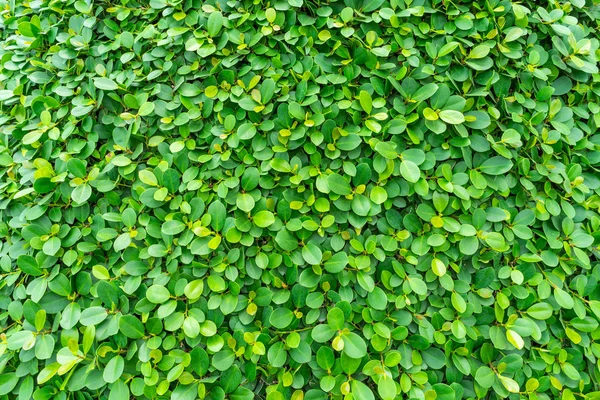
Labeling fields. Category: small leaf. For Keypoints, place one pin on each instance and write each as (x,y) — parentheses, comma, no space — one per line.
(424,92)
(354,345)
(410,171)
(105,84)
(131,327)
(113,369)
(485,377)
(264,219)
(339,185)
(515,339)
(365,101)
(157,294)
(496,166)
(563,298)
(509,384)
(336,263)
(312,254)
(215,23)
(361,391)
(540,311)
(281,318)
(452,117)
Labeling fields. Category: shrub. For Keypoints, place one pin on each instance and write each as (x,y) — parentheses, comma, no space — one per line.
(299,199)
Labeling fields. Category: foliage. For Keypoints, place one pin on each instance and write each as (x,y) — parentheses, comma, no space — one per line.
(298,199)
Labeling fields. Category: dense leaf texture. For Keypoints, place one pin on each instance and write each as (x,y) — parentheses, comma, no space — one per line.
(347,200)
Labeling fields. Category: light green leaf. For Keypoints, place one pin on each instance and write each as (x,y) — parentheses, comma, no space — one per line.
(264,219)
(452,117)
(410,171)
(366,102)
(312,254)
(485,377)
(496,166)
(157,294)
(281,318)
(354,345)
(215,23)
(339,185)
(105,84)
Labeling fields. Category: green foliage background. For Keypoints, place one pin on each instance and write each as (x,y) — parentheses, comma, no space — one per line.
(299,199)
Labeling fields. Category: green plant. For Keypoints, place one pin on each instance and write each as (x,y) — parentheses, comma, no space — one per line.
(299,199)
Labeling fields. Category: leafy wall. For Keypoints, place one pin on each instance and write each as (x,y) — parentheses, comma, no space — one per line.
(299,199)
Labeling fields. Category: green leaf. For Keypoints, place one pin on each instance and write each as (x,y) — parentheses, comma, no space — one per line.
(377,299)
(105,84)
(44,346)
(28,265)
(246,131)
(361,391)
(444,392)
(245,202)
(458,302)
(8,381)
(215,23)
(146,109)
(28,29)
(301,354)
(496,241)
(185,392)
(218,214)
(335,318)
(452,117)
(410,171)
(281,318)
(595,307)
(93,316)
(189,90)
(173,227)
(52,246)
(44,185)
(496,166)
(447,48)
(277,355)
(325,358)
(387,150)
(286,240)
(361,205)
(509,384)
(338,185)
(157,294)
(354,345)
(312,254)
(113,369)
(119,391)
(424,92)
(485,377)
(515,339)
(216,283)
(336,263)
(386,387)
(540,311)
(563,298)
(77,167)
(131,327)
(378,195)
(264,219)
(81,193)
(418,286)
(365,101)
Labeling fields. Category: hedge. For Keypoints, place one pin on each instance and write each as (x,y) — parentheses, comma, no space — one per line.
(301,199)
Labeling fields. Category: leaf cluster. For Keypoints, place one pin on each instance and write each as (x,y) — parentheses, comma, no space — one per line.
(298,199)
